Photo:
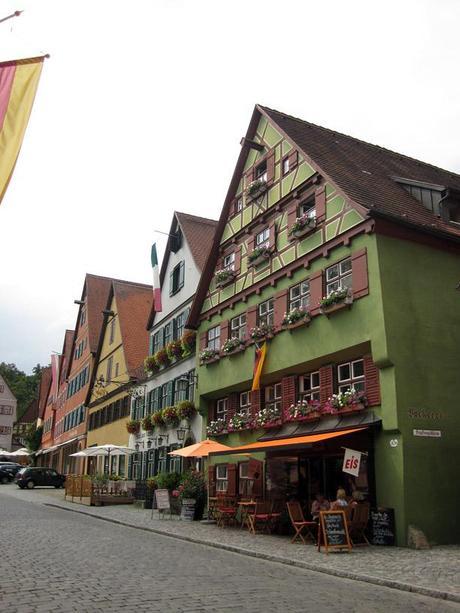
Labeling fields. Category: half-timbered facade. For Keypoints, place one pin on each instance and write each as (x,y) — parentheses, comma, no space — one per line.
(326,251)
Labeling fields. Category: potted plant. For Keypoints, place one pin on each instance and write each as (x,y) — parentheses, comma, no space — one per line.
(240,421)
(224,276)
(259,255)
(346,402)
(256,188)
(261,332)
(188,341)
(147,423)
(336,300)
(296,317)
(232,345)
(186,409)
(161,357)
(157,419)
(133,426)
(302,226)
(192,495)
(174,350)
(305,410)
(208,355)
(170,416)
(270,416)
(150,364)
(218,426)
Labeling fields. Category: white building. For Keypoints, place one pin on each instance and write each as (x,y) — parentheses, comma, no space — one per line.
(174,381)
(8,404)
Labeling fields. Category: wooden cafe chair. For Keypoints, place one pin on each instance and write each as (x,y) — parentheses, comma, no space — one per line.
(261,516)
(358,524)
(302,527)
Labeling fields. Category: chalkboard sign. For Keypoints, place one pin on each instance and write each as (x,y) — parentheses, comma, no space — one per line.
(162,499)
(382,526)
(188,509)
(333,531)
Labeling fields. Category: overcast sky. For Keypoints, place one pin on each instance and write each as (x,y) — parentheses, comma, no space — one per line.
(141,108)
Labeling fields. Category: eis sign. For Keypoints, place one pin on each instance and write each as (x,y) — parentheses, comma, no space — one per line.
(351,462)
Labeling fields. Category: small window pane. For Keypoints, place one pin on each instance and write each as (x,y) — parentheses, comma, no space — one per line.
(344,372)
(332,272)
(358,369)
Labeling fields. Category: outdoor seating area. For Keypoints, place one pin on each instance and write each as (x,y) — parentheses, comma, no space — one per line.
(83,489)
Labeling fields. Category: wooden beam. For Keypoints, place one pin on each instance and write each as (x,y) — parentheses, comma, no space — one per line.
(251,144)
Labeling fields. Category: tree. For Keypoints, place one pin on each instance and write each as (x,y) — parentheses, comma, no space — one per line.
(33,437)
(24,387)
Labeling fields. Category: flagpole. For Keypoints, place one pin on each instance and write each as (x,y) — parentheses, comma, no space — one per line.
(15,14)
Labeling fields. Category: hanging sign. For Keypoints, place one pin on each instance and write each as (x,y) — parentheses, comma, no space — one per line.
(351,462)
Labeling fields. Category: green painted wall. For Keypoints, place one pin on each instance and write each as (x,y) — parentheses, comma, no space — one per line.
(422,318)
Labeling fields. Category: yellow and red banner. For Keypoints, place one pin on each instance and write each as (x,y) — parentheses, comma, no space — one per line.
(258,366)
(18,85)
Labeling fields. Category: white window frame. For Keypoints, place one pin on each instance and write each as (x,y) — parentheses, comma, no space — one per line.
(266,312)
(213,338)
(339,276)
(229,261)
(286,166)
(273,396)
(261,171)
(221,477)
(222,408)
(238,327)
(357,382)
(244,482)
(308,208)
(263,238)
(302,300)
(245,402)
(310,386)
(239,205)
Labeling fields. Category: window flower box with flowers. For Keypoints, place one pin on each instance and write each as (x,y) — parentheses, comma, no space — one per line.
(174,350)
(147,423)
(295,318)
(170,417)
(133,426)
(347,402)
(305,410)
(302,226)
(240,421)
(188,342)
(150,364)
(157,419)
(216,427)
(336,301)
(268,417)
(162,357)
(224,276)
(208,356)
(259,256)
(256,189)
(262,332)
(186,410)
(233,345)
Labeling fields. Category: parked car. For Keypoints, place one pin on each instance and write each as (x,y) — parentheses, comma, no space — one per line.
(11,467)
(5,476)
(32,476)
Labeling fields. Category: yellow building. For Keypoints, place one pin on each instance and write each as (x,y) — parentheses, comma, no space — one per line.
(123,345)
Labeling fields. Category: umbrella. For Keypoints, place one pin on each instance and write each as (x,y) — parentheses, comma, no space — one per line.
(200,450)
(104,450)
(20,452)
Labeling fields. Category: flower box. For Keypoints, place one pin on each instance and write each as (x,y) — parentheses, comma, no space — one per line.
(224,277)
(233,345)
(302,230)
(295,318)
(298,324)
(259,256)
(256,189)
(337,301)
(208,356)
(261,333)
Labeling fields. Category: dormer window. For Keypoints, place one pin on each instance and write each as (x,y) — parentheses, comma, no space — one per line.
(428,194)
(261,172)
(176,240)
(176,278)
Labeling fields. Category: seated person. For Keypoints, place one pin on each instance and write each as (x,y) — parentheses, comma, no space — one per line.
(341,500)
(320,504)
(356,498)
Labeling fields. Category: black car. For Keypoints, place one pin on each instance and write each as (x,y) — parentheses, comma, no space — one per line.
(32,476)
(5,476)
(11,467)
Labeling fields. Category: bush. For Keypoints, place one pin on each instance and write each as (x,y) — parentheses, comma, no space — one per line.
(193,485)
(167,481)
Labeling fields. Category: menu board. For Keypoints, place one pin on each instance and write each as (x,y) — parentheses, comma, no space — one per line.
(162,500)
(333,531)
(188,509)
(383,526)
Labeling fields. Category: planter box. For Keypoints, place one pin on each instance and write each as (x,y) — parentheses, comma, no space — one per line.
(261,339)
(313,416)
(210,361)
(258,193)
(264,257)
(303,232)
(338,306)
(298,324)
(234,351)
(229,279)
(271,424)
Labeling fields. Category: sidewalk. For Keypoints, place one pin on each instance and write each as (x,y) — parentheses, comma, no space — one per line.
(433,573)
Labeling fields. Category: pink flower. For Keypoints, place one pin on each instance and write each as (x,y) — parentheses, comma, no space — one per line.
(175,493)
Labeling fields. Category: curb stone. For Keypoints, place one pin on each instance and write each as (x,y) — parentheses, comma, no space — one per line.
(390,583)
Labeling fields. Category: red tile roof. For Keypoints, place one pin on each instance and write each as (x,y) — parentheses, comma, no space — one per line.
(65,355)
(96,290)
(31,413)
(199,233)
(365,172)
(44,388)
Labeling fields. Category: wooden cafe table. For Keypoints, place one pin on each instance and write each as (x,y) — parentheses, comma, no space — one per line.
(245,508)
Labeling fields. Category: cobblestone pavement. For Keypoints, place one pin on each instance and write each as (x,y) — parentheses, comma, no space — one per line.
(53,560)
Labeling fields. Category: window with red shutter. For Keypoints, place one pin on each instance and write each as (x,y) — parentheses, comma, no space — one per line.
(212,481)
(360,281)
(272,235)
(371,375)
(320,203)
(223,332)
(316,291)
(281,306)
(271,167)
(326,380)
(256,475)
(232,474)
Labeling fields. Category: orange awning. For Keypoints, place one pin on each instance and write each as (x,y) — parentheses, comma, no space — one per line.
(201,450)
(294,441)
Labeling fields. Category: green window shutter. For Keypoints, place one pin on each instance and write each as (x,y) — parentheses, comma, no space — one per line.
(170,392)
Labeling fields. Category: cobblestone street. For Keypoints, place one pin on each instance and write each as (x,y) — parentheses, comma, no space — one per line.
(53,560)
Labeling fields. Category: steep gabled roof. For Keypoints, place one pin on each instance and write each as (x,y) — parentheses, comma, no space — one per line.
(43,391)
(97,289)
(360,171)
(134,302)
(65,354)
(31,413)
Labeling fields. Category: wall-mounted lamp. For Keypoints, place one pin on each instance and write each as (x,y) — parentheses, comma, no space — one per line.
(181,432)
(161,438)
